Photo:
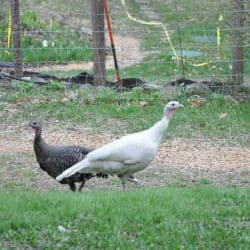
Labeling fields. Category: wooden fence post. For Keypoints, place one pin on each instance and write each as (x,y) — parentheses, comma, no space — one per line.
(238,41)
(98,41)
(16,37)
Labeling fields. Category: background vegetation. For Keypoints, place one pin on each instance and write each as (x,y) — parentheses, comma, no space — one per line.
(197,216)
(192,28)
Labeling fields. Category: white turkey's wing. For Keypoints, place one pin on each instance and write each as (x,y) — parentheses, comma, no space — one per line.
(129,149)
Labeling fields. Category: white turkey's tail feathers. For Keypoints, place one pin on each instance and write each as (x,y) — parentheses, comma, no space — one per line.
(70,171)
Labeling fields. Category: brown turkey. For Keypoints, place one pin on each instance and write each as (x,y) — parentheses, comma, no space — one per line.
(56,159)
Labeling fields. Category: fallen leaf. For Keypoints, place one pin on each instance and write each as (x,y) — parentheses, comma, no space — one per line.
(62,229)
(143,104)
(64,100)
(132,235)
(223,116)
(86,101)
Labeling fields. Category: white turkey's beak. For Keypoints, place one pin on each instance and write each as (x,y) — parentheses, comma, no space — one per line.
(181,106)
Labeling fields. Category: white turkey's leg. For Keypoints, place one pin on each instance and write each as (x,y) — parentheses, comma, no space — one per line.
(123,183)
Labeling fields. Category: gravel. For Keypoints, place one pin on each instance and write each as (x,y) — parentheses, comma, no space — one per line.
(178,162)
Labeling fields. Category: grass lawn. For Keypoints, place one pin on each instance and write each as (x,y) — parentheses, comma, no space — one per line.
(173,218)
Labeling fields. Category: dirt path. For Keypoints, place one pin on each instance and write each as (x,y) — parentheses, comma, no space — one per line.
(178,163)
(128,51)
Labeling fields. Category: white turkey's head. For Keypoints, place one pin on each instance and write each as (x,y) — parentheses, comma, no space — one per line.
(170,108)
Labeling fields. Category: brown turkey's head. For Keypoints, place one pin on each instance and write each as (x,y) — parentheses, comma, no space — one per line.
(35,126)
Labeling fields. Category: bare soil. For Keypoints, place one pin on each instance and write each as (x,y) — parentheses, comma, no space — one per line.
(128,52)
(178,162)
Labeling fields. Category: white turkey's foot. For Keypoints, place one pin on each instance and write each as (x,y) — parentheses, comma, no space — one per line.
(134,180)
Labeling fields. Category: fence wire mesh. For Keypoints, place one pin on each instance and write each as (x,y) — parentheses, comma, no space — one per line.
(157,41)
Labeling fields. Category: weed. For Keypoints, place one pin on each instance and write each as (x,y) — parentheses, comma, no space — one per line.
(55,86)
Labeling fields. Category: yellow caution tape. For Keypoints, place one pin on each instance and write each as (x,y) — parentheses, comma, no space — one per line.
(151,23)
(178,58)
(169,40)
(9,29)
(218,34)
(175,57)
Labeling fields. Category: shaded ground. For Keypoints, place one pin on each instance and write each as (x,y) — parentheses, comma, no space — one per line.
(178,162)
(128,53)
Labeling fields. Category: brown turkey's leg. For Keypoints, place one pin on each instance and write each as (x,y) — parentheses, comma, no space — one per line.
(72,186)
(81,186)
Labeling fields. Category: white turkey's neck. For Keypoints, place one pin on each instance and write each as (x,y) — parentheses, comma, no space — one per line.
(157,131)
(169,113)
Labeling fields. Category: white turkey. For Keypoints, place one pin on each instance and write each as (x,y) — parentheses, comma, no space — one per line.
(54,159)
(127,155)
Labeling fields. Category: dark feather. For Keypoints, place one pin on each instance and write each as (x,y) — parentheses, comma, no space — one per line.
(55,159)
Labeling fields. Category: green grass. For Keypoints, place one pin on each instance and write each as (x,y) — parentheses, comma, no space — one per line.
(63,43)
(106,110)
(174,218)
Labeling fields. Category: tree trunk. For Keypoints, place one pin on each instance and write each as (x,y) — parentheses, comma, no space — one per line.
(98,41)
(16,37)
(238,35)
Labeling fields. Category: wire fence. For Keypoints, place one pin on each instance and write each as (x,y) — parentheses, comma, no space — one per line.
(157,41)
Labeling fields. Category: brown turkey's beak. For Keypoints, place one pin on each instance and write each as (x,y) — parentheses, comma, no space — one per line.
(34,130)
